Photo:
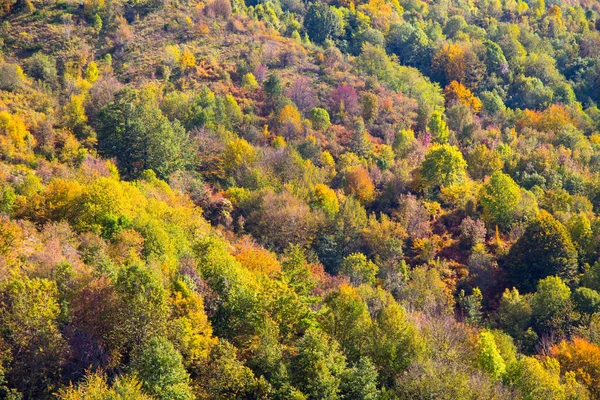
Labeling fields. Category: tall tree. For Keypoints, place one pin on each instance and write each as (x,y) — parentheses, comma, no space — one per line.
(134,131)
(544,249)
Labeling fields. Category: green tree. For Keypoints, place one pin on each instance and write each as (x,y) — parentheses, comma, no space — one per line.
(443,165)
(319,365)
(322,22)
(438,127)
(500,198)
(395,342)
(320,118)
(586,300)
(514,313)
(11,77)
(297,270)
(360,381)
(534,380)
(347,320)
(370,107)
(489,358)
(359,142)
(359,269)
(134,130)
(544,249)
(143,297)
(410,44)
(161,370)
(225,377)
(551,306)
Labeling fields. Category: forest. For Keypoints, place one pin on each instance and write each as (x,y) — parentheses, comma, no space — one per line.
(299,199)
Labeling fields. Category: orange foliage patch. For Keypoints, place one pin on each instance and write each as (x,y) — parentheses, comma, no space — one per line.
(583,358)
(457,92)
(552,119)
(257,259)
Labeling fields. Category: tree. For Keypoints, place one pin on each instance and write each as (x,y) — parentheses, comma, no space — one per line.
(439,128)
(11,77)
(344,99)
(586,300)
(249,81)
(443,165)
(489,358)
(458,93)
(551,306)
(395,342)
(15,139)
(500,198)
(347,320)
(458,62)
(146,310)
(75,117)
(360,381)
(325,199)
(322,22)
(91,72)
(544,249)
(282,219)
(370,107)
(225,377)
(535,380)
(187,60)
(359,184)
(273,85)
(319,365)
(359,141)
(410,44)
(237,154)
(134,130)
(29,313)
(160,368)
(220,8)
(514,313)
(320,119)
(42,67)
(290,122)
(95,386)
(583,359)
(358,269)
(483,162)
(301,93)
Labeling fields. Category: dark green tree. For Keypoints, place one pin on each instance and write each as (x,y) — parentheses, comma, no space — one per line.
(410,44)
(134,131)
(322,23)
(544,249)
(360,381)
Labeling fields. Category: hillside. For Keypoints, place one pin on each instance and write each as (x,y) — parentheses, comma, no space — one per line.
(279,199)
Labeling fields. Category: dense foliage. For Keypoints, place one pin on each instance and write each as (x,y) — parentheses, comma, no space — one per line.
(285,199)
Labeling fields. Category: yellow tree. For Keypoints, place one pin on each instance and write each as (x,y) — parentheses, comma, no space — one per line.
(290,121)
(450,61)
(15,139)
